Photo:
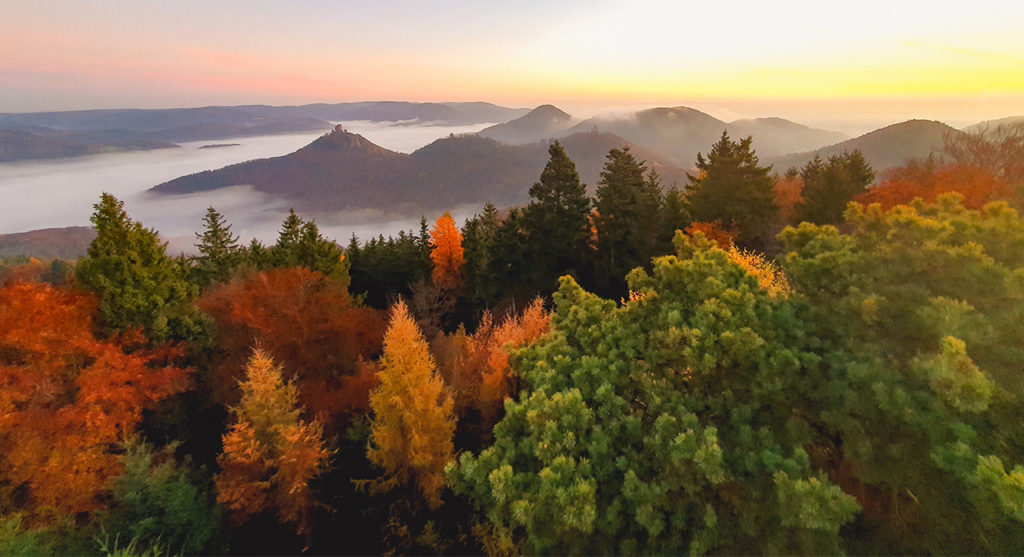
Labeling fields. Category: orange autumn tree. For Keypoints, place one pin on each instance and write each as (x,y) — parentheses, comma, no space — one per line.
(714,231)
(412,423)
(788,193)
(478,369)
(270,453)
(446,253)
(929,178)
(312,327)
(67,398)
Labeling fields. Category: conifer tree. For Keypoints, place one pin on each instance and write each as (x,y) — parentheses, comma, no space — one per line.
(627,203)
(412,422)
(733,189)
(300,244)
(137,283)
(478,237)
(446,253)
(270,453)
(219,249)
(556,222)
(830,185)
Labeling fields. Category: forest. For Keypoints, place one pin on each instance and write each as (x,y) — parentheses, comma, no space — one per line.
(816,360)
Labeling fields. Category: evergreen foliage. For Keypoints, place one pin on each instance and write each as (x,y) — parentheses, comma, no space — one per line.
(830,185)
(556,225)
(733,189)
(663,426)
(137,283)
(627,206)
(219,252)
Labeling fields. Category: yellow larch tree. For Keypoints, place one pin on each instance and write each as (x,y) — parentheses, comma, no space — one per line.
(412,421)
(446,253)
(270,453)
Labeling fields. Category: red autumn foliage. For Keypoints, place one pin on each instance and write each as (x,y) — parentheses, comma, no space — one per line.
(67,397)
(928,179)
(714,231)
(306,322)
(788,193)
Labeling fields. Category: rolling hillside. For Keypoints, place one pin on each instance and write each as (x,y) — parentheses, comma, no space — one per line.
(342,170)
(883,148)
(544,122)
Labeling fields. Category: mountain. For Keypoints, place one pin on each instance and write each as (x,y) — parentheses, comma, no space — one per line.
(883,148)
(544,122)
(342,170)
(257,115)
(777,136)
(1012,120)
(676,133)
(48,243)
(19,145)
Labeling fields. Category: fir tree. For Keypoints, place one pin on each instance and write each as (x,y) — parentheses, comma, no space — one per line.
(219,250)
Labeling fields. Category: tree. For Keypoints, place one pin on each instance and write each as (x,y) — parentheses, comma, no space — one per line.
(478,369)
(674,216)
(411,421)
(300,244)
(627,204)
(912,315)
(220,253)
(270,453)
(478,238)
(137,283)
(68,398)
(159,504)
(383,269)
(310,324)
(733,189)
(556,222)
(446,254)
(830,185)
(998,150)
(662,426)
(929,178)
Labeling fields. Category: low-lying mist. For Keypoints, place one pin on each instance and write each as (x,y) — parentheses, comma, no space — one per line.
(48,194)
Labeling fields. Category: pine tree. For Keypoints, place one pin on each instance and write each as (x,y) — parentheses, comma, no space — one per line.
(412,422)
(270,453)
(219,248)
(556,222)
(137,283)
(733,189)
(446,254)
(300,244)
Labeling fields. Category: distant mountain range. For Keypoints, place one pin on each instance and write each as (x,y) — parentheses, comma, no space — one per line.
(44,135)
(676,134)
(883,148)
(342,170)
(48,243)
(991,124)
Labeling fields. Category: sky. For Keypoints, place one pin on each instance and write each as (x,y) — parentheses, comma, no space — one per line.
(828,63)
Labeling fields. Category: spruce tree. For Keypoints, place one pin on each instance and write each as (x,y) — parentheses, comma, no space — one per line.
(219,250)
(138,285)
(627,204)
(733,189)
(829,186)
(556,222)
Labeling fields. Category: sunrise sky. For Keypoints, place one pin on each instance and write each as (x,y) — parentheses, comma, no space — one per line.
(844,64)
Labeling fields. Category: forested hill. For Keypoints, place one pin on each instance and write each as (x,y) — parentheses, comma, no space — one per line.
(883,148)
(342,170)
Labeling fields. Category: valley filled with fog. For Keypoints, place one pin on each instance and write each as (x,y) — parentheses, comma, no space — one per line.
(59,193)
